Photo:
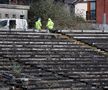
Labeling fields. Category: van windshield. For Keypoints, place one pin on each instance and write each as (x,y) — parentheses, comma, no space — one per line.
(3,23)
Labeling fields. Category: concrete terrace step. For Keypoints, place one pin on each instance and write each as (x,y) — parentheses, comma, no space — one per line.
(47,59)
(90,37)
(83,31)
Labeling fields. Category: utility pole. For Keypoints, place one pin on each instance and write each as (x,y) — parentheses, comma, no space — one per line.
(104,15)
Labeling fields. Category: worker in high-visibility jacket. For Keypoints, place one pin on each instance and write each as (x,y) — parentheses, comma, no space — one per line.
(38,24)
(50,25)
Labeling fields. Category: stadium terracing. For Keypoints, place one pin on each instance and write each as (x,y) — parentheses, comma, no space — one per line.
(71,60)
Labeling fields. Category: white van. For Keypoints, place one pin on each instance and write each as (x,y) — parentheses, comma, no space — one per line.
(13,24)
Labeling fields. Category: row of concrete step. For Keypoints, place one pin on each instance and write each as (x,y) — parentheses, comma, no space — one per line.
(53,63)
(93,37)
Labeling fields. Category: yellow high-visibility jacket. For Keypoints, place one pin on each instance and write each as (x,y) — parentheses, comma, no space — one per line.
(38,25)
(50,24)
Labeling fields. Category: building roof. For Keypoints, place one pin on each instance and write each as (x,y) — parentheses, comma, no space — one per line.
(9,6)
(16,2)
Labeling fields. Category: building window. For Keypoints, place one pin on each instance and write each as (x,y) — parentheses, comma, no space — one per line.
(13,16)
(22,16)
(3,23)
(6,15)
(13,1)
(12,24)
(91,13)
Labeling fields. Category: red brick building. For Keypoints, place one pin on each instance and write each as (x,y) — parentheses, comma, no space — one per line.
(97,10)
(101,9)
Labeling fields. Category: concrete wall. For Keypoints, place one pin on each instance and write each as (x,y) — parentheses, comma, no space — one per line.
(80,9)
(12,12)
(8,10)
